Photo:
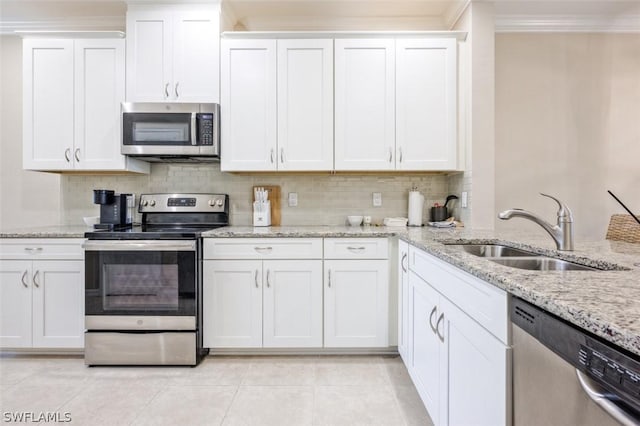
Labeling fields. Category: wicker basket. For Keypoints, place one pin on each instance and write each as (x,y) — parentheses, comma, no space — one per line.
(622,227)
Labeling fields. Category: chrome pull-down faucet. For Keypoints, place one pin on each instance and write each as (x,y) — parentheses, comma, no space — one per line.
(562,233)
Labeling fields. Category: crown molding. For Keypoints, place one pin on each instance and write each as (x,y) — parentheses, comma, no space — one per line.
(547,23)
(85,23)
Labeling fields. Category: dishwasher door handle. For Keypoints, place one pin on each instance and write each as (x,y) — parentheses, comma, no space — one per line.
(599,396)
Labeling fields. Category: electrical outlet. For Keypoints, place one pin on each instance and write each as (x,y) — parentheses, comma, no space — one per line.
(293,199)
(463,200)
(377,199)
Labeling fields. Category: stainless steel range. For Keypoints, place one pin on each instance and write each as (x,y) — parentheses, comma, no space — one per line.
(143,286)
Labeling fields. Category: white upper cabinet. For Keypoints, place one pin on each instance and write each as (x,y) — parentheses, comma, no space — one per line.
(72,91)
(364,104)
(172,54)
(47,104)
(426,104)
(248,105)
(305,104)
(277,105)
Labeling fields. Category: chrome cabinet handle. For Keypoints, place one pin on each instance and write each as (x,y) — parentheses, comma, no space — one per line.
(282,155)
(32,249)
(271,155)
(356,248)
(166,90)
(256,279)
(24,276)
(329,280)
(433,311)
(268,279)
(35,282)
(77,154)
(599,396)
(67,153)
(441,336)
(390,154)
(176,89)
(400,157)
(263,249)
(405,256)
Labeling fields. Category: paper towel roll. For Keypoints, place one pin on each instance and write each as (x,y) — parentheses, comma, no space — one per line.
(416,202)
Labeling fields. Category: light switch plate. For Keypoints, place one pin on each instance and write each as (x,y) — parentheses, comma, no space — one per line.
(377,199)
(293,199)
(463,200)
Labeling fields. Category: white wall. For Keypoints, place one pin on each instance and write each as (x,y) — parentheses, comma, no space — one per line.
(568,123)
(26,198)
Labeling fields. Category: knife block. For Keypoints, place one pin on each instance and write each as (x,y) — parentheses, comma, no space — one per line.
(274,200)
(262,213)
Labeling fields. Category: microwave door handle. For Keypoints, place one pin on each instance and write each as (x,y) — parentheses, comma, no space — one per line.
(194,130)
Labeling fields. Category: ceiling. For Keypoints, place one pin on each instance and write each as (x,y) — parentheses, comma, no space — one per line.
(335,15)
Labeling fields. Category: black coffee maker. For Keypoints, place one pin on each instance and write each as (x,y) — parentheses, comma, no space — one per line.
(116,210)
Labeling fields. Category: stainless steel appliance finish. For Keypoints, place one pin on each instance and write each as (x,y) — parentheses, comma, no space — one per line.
(167,348)
(143,286)
(171,131)
(564,376)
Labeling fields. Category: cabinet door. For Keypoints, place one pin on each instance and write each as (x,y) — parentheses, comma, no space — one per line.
(58,304)
(47,104)
(292,303)
(426,359)
(248,105)
(99,90)
(356,311)
(426,104)
(15,303)
(305,104)
(149,56)
(404,347)
(477,361)
(195,57)
(232,304)
(364,104)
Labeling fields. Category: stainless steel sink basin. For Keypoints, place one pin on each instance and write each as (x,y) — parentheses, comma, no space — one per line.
(494,250)
(542,264)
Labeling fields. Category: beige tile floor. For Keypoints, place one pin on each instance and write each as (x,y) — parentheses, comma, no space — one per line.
(283,390)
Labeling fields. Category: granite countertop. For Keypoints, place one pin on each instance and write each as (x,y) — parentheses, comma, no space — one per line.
(55,231)
(606,303)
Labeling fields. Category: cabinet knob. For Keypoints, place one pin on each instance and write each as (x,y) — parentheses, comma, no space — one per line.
(433,327)
(166,90)
(24,276)
(35,279)
(77,154)
(176,90)
(67,153)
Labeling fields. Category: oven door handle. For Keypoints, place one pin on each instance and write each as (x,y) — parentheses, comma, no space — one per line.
(139,245)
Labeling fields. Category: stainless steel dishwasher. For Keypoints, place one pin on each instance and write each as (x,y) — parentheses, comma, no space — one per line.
(562,375)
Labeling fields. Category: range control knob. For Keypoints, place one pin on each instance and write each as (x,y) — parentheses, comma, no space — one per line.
(152,203)
(212,203)
(219,203)
(144,203)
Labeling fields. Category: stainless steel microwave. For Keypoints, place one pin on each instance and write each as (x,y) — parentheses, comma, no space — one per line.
(171,131)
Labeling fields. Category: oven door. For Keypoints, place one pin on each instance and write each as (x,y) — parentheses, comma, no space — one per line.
(159,133)
(141,284)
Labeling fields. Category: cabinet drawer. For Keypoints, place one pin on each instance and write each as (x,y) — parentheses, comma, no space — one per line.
(482,301)
(263,248)
(50,248)
(356,248)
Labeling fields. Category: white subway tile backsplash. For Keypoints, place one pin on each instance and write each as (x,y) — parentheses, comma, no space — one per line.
(323,199)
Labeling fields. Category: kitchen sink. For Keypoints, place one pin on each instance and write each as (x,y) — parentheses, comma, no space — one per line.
(494,250)
(542,264)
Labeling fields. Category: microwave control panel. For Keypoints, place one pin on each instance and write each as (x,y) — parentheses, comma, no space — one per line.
(205,128)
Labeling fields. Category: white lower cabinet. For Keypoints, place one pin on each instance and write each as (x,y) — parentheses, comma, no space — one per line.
(255,303)
(459,367)
(41,303)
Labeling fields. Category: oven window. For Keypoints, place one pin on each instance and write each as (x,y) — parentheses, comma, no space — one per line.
(140,286)
(141,283)
(161,132)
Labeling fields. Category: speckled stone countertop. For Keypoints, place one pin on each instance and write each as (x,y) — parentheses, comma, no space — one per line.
(60,231)
(606,303)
